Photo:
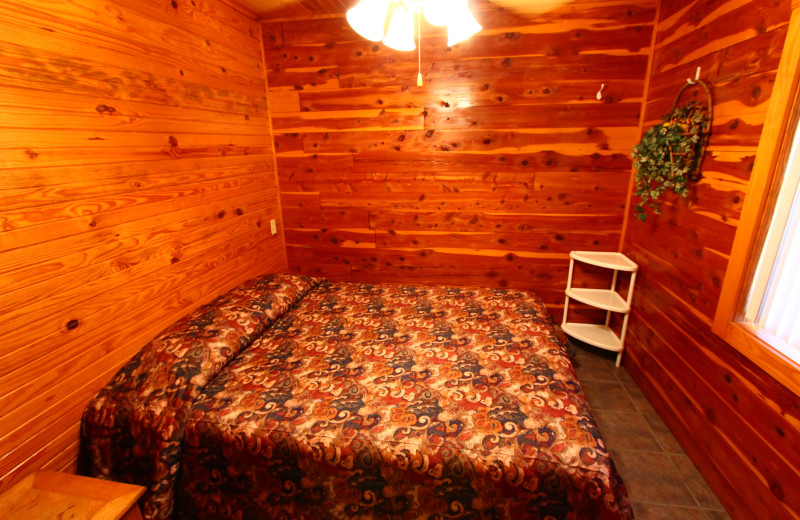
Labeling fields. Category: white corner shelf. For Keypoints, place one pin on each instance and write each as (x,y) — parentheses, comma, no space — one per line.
(601,298)
(609,300)
(594,334)
(616,261)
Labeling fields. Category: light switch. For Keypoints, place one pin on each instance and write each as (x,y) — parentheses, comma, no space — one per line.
(273,226)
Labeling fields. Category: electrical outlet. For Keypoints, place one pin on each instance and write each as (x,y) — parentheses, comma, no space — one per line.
(273,226)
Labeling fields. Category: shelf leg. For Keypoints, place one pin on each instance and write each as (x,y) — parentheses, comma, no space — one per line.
(613,288)
(630,288)
(622,337)
(569,276)
(569,284)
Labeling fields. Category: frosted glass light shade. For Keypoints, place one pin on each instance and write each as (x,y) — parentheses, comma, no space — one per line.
(437,12)
(461,24)
(400,35)
(367,18)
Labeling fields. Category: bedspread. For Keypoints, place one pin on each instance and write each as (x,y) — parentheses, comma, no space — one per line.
(389,401)
(133,430)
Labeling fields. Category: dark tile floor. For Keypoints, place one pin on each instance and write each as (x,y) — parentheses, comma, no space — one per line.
(662,482)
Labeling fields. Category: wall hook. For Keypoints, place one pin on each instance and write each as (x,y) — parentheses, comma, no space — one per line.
(600,92)
(691,81)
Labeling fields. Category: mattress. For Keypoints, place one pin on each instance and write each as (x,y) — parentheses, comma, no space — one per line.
(361,401)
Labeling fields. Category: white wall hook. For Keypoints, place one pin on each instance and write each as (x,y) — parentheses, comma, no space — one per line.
(691,81)
(600,92)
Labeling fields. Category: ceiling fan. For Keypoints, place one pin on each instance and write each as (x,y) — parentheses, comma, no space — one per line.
(393,21)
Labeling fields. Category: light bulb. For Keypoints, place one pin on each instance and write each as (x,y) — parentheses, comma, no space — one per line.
(461,24)
(400,35)
(436,12)
(368,17)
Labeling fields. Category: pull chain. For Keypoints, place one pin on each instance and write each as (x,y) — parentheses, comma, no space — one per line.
(419,48)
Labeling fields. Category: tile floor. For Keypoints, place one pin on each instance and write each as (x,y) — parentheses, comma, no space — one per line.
(661,480)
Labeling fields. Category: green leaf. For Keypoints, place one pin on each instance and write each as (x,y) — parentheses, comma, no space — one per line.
(667,154)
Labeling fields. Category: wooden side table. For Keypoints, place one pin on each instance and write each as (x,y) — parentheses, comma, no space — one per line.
(47,494)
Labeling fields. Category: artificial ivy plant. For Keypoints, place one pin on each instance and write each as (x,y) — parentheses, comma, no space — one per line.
(669,155)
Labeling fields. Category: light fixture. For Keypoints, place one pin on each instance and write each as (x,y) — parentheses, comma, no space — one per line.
(400,35)
(392,21)
(436,12)
(368,18)
(461,24)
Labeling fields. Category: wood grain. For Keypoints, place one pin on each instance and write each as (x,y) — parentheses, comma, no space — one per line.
(489,173)
(48,494)
(136,182)
(733,419)
(772,155)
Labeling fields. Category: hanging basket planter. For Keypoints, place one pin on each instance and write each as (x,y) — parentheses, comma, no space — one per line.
(670,154)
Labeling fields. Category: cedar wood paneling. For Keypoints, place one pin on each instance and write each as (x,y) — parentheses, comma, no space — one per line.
(136,182)
(136,179)
(740,426)
(489,174)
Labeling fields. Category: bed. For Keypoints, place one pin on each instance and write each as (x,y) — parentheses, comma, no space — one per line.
(295,397)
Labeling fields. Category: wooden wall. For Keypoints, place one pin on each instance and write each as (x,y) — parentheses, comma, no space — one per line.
(740,426)
(489,174)
(136,182)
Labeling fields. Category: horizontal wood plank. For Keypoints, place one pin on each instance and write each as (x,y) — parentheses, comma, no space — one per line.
(136,183)
(733,419)
(503,153)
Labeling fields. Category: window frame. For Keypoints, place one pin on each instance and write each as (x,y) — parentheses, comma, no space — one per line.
(771,157)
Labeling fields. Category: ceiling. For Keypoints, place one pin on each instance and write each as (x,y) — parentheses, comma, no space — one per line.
(313,8)
(297,8)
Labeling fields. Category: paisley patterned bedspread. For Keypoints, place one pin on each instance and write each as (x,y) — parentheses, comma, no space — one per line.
(389,401)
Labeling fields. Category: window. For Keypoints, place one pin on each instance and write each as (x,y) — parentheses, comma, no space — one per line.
(773,303)
(759,308)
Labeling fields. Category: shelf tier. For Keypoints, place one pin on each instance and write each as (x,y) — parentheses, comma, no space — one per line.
(616,261)
(597,335)
(601,298)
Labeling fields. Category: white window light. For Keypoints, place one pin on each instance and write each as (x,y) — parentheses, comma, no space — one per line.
(773,304)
